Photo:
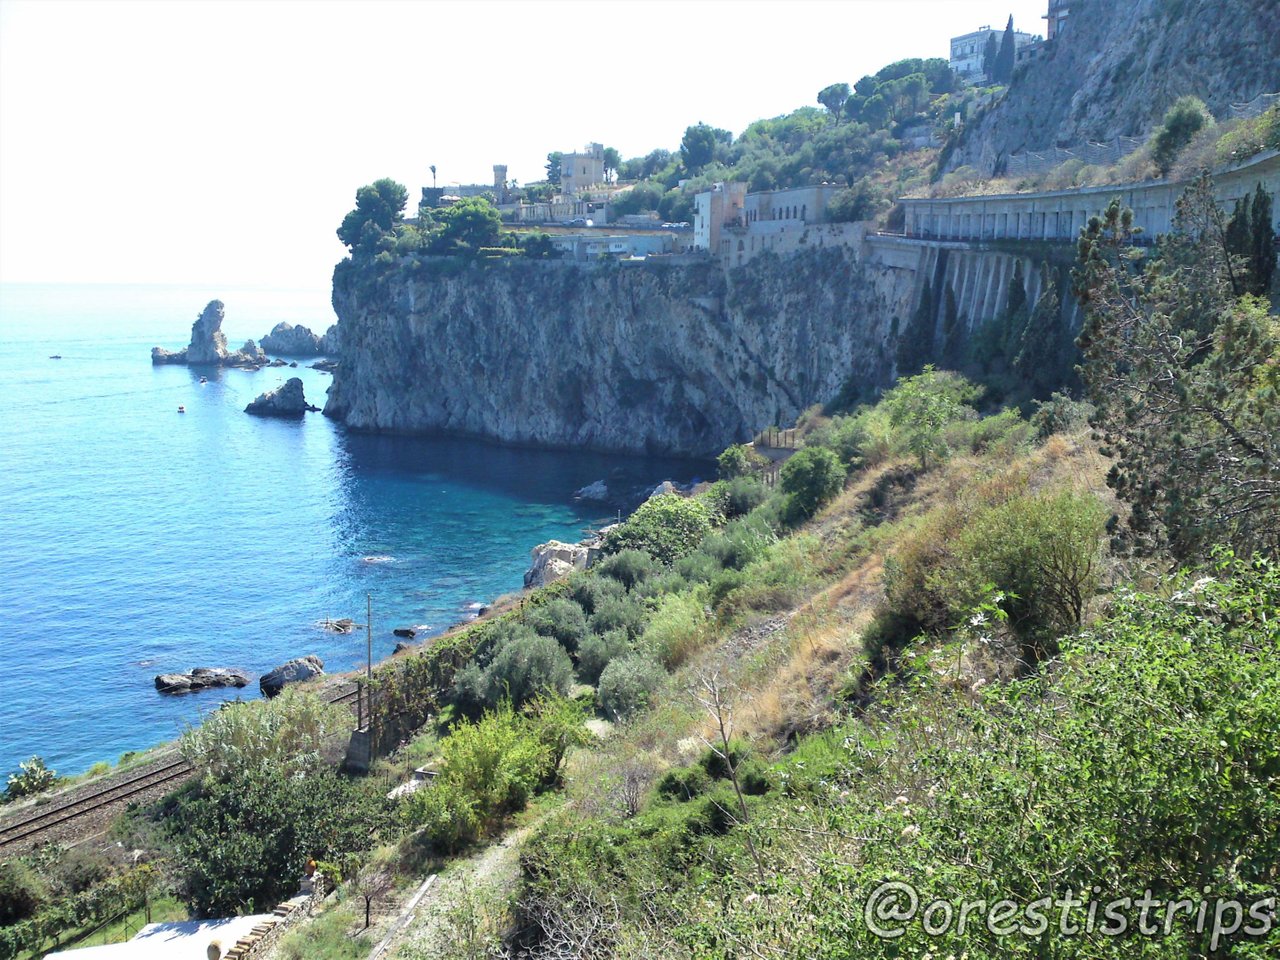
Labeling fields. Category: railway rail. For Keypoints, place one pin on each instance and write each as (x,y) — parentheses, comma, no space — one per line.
(35,821)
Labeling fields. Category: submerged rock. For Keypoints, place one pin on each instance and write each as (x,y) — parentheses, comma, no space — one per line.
(295,671)
(286,401)
(593,491)
(201,678)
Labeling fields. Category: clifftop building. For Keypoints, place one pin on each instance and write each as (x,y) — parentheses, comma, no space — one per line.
(733,225)
(581,171)
(967,51)
(1056,17)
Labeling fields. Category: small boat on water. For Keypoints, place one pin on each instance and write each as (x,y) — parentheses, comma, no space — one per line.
(182,409)
(204,379)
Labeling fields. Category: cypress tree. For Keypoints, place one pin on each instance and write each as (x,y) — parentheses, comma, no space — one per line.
(953,333)
(915,345)
(1007,56)
(989,57)
(1262,258)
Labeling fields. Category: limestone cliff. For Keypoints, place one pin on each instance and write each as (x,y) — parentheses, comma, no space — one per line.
(657,357)
(1117,67)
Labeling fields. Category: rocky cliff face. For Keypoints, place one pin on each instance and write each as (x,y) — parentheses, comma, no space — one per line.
(1117,67)
(627,357)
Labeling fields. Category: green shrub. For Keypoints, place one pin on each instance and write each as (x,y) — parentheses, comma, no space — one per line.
(698,567)
(845,436)
(590,590)
(470,694)
(80,868)
(1046,552)
(242,837)
(621,613)
(628,685)
(32,777)
(527,668)
(597,652)
(740,543)
(487,769)
(741,495)
(738,461)
(921,407)
(22,892)
(1060,414)
(667,527)
(717,766)
(628,567)
(683,783)
(1004,433)
(811,478)
(1181,123)
(676,629)
(560,619)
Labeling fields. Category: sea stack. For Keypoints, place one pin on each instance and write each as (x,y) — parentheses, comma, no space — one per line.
(209,345)
(286,401)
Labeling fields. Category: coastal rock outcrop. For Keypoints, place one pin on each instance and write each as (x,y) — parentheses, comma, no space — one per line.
(208,345)
(654,357)
(201,678)
(285,401)
(554,560)
(1115,69)
(294,341)
(295,671)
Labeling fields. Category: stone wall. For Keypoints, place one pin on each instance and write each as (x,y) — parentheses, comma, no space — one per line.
(267,934)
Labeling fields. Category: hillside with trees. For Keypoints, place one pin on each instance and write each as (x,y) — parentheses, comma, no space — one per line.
(945,652)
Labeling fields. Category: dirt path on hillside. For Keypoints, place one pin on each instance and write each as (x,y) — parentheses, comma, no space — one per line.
(460,906)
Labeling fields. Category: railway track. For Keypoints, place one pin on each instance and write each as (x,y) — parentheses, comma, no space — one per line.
(36,821)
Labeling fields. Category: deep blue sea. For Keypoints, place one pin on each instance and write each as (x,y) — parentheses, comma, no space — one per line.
(136,540)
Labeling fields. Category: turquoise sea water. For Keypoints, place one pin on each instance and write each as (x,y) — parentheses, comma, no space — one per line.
(135,540)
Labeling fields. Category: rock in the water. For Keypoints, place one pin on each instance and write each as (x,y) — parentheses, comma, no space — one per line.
(553,560)
(208,342)
(286,401)
(401,647)
(594,491)
(161,355)
(201,678)
(293,341)
(209,345)
(325,366)
(248,357)
(303,668)
(407,632)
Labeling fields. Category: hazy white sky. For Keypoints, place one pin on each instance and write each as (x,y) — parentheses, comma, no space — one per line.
(177,141)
